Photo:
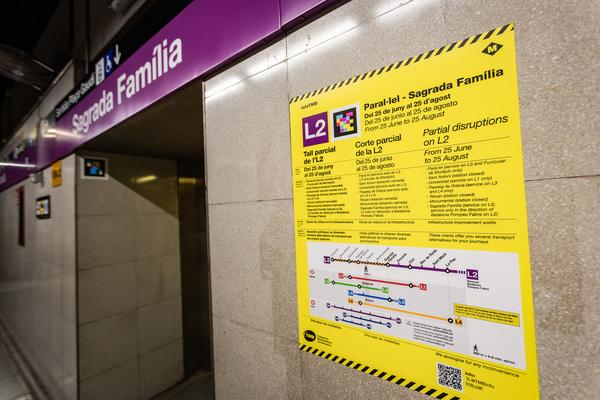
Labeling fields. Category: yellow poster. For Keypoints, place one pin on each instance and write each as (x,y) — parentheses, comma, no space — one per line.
(57,174)
(411,227)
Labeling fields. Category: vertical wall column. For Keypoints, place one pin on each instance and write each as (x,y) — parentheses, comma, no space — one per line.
(249,186)
(37,280)
(195,285)
(251,232)
(129,284)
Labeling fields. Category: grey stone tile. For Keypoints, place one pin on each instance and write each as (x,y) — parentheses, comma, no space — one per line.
(119,383)
(198,387)
(159,324)
(254,365)
(105,240)
(24,397)
(324,379)
(565,253)
(105,197)
(68,287)
(105,291)
(253,270)
(559,102)
(156,235)
(107,343)
(253,65)
(7,367)
(374,40)
(151,164)
(249,153)
(11,387)
(68,383)
(158,279)
(155,192)
(161,369)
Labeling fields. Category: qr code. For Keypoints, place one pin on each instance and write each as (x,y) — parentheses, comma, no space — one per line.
(450,376)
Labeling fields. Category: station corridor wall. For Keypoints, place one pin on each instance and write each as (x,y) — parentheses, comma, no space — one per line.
(250,187)
(37,281)
(129,281)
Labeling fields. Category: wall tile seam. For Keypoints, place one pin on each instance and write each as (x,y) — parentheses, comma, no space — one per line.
(133,171)
(104,214)
(360,23)
(246,77)
(154,349)
(302,377)
(177,296)
(120,364)
(553,178)
(297,342)
(76,186)
(177,253)
(153,258)
(291,155)
(288,57)
(108,214)
(113,214)
(250,201)
(136,308)
(103,266)
(156,213)
(85,268)
(291,198)
(127,261)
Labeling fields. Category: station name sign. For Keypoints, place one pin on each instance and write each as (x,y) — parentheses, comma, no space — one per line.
(119,87)
(104,66)
(165,57)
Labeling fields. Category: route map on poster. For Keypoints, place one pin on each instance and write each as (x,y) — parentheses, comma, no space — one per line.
(410,223)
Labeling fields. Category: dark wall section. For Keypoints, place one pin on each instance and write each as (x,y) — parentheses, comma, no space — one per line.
(54,32)
(195,289)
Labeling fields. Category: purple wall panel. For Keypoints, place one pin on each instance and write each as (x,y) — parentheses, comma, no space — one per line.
(10,175)
(211,32)
(292,9)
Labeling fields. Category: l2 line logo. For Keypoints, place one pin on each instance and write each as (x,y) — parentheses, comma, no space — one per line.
(315,129)
(345,122)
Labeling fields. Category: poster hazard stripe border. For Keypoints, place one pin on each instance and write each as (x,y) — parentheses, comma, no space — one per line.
(411,60)
(434,391)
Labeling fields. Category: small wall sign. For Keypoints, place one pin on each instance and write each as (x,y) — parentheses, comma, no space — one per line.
(94,168)
(57,174)
(42,207)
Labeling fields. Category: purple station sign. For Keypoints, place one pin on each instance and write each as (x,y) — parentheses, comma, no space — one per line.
(203,36)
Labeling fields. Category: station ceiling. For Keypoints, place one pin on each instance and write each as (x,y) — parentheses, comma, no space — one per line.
(171,128)
(22,23)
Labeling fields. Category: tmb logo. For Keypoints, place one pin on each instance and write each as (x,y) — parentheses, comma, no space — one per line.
(310,336)
(492,48)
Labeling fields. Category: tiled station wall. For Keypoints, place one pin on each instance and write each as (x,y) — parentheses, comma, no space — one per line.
(37,281)
(250,187)
(129,282)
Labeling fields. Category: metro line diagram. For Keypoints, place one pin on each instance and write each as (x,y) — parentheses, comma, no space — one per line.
(444,298)
(362,286)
